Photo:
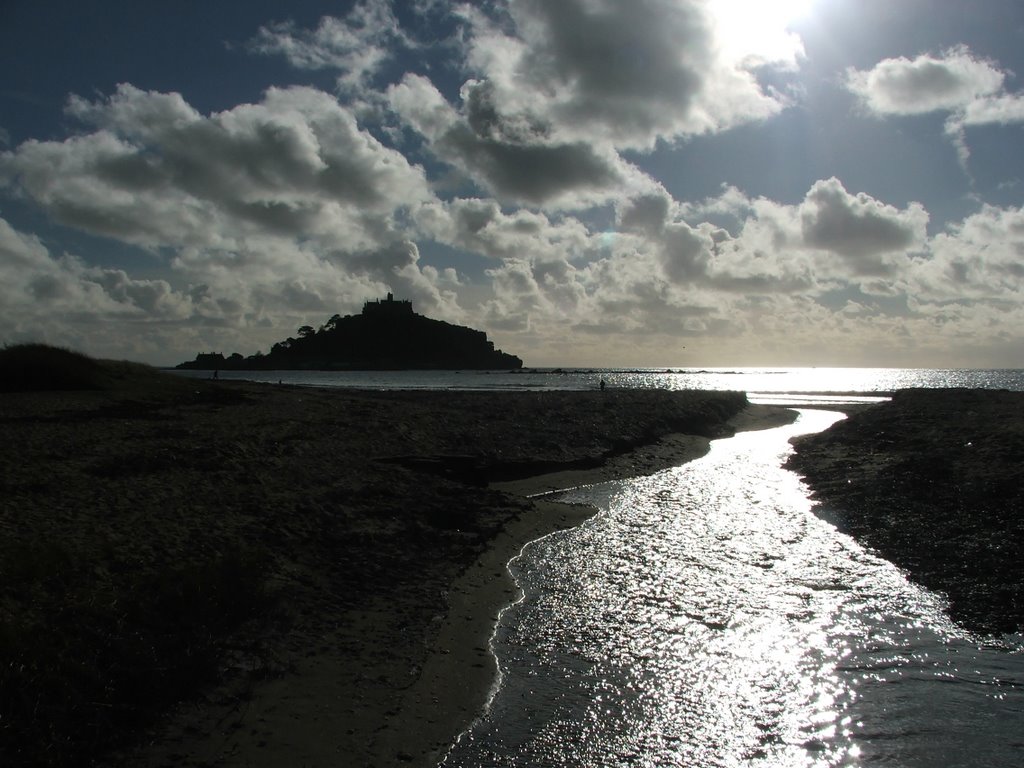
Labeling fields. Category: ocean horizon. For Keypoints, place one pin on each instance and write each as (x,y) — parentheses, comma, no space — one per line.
(773,385)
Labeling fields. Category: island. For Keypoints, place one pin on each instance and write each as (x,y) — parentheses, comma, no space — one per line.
(386,336)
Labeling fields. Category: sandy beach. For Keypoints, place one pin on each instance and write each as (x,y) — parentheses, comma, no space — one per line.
(204,573)
(213,573)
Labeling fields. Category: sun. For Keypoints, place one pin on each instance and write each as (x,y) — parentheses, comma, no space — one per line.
(759,29)
(777,12)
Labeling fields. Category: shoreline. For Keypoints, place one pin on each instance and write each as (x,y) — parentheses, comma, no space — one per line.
(298,550)
(933,481)
(463,650)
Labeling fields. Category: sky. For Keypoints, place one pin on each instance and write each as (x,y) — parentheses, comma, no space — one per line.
(592,182)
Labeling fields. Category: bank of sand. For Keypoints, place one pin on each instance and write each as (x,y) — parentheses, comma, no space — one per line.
(934,482)
(316,573)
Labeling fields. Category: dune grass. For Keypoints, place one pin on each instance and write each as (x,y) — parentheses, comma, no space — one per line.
(45,368)
(41,368)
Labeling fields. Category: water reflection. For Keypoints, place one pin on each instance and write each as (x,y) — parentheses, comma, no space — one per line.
(707,617)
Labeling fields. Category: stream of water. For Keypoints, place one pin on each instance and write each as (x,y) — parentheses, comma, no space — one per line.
(707,617)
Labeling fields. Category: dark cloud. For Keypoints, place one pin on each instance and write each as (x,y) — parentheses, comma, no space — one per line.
(859,228)
(635,67)
(531,173)
(623,73)
(511,159)
(647,213)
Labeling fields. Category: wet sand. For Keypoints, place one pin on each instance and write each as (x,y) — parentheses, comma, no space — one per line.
(934,482)
(358,542)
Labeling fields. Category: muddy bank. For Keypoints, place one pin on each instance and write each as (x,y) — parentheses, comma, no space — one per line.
(934,481)
(226,573)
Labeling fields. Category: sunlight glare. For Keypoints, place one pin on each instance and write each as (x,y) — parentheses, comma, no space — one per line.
(760,30)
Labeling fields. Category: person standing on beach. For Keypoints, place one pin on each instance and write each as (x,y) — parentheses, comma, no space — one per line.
(602,385)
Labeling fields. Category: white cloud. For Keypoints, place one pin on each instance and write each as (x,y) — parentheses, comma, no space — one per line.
(831,238)
(219,300)
(927,83)
(43,297)
(356,45)
(558,89)
(981,257)
(480,226)
(154,172)
(970,89)
(1003,109)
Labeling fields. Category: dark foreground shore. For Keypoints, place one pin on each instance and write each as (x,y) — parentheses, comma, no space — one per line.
(934,481)
(203,573)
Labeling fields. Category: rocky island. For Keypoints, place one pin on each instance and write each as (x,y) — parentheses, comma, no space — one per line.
(386,336)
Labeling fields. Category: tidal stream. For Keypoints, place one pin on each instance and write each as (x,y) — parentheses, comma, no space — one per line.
(707,617)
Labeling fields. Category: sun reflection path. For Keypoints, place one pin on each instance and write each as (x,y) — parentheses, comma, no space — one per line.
(706,617)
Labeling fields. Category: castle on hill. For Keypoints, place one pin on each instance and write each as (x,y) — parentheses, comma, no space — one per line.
(386,335)
(388,306)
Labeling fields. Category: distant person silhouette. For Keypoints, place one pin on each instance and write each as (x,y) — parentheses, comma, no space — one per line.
(603,385)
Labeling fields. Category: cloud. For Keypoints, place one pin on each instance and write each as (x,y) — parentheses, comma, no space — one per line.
(154,172)
(647,213)
(858,228)
(560,89)
(557,90)
(1004,109)
(623,73)
(661,273)
(356,45)
(513,159)
(759,246)
(970,89)
(480,226)
(211,300)
(928,83)
(43,296)
(266,214)
(980,258)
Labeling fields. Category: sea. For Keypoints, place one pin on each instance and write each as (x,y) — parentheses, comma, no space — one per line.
(762,385)
(707,615)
